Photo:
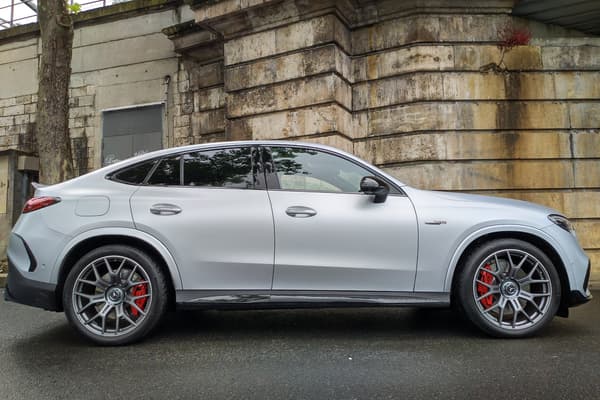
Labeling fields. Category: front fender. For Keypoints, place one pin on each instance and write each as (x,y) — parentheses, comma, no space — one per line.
(121,231)
(472,237)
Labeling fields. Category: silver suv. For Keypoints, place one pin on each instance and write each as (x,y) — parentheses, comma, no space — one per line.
(283,224)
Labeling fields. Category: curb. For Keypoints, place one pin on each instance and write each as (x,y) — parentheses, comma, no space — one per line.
(2,280)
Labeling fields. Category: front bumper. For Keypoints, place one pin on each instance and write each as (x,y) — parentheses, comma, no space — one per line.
(575,297)
(19,289)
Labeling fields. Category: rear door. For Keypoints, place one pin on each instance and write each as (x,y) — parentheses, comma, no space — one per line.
(331,237)
(211,210)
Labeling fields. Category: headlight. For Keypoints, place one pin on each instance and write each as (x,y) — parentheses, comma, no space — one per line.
(563,222)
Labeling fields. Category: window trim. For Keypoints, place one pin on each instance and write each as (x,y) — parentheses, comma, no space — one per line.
(273,179)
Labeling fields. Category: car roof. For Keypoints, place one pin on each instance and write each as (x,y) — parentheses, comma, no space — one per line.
(109,169)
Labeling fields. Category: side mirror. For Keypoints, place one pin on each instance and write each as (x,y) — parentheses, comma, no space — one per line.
(374,186)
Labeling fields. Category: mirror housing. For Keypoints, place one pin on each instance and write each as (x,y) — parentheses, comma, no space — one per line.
(374,186)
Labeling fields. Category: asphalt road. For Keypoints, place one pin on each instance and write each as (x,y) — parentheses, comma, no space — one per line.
(301,354)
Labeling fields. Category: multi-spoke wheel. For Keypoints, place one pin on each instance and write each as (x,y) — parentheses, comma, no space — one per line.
(115,295)
(508,288)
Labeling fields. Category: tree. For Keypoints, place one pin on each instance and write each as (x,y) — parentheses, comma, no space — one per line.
(52,126)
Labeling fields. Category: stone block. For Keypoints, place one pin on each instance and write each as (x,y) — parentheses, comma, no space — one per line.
(335,140)
(588,233)
(121,52)
(140,25)
(10,101)
(77,112)
(216,9)
(571,57)
(467,116)
(577,204)
(208,122)
(293,94)
(482,175)
(14,110)
(26,99)
(202,76)
(403,60)
(398,90)
(577,85)
(586,144)
(182,132)
(472,57)
(209,99)
(314,120)
(180,121)
(30,108)
(472,27)
(23,119)
(287,67)
(395,33)
(85,100)
(584,115)
(7,121)
(587,173)
(299,35)
(19,54)
(19,78)
(76,92)
(465,145)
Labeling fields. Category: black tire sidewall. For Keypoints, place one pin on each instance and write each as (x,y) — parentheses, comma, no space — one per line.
(157,282)
(464,288)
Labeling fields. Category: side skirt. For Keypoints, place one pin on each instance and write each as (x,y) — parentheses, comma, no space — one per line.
(266,299)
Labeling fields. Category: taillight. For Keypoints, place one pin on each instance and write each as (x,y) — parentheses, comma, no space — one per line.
(35,203)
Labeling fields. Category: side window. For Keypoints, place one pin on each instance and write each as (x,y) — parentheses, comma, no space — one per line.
(134,175)
(168,172)
(312,170)
(228,168)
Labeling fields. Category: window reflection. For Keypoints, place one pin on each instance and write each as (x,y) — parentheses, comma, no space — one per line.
(230,168)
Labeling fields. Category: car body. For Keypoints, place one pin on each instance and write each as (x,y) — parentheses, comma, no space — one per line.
(267,224)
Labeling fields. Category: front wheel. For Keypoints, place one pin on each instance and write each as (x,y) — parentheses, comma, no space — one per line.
(115,295)
(508,288)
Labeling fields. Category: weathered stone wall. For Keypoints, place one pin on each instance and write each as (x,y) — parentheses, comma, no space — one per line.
(401,86)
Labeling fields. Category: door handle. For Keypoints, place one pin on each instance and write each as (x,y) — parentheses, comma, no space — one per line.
(165,209)
(300,212)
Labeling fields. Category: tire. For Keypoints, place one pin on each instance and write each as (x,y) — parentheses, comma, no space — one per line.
(115,295)
(508,288)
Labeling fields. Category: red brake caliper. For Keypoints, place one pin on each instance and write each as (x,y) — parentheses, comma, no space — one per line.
(139,290)
(482,289)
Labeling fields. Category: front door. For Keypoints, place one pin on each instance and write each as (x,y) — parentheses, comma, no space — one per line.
(331,237)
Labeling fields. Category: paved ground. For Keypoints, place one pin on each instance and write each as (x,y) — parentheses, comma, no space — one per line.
(303,354)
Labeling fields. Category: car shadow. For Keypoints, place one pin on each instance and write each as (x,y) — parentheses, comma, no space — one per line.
(342,324)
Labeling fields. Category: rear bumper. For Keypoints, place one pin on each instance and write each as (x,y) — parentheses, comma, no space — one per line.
(21,290)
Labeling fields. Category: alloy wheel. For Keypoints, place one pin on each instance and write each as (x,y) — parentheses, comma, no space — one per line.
(512,289)
(112,296)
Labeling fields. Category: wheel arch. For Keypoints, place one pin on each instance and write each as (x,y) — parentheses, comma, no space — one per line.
(537,240)
(91,240)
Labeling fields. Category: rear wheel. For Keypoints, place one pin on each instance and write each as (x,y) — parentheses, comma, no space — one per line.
(115,295)
(508,288)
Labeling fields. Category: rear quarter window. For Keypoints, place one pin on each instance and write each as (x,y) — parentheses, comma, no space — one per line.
(136,174)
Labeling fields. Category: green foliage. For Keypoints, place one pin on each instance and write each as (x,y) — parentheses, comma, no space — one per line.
(74,8)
